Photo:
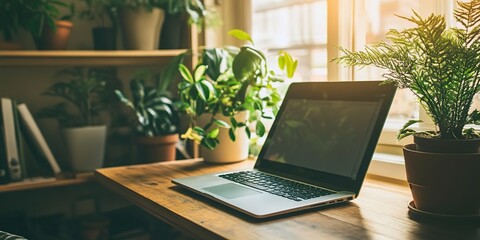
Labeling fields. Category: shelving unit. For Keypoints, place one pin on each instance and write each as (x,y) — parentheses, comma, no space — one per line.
(87,57)
(37,183)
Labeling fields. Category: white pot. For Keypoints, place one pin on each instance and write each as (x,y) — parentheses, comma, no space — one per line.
(227,151)
(140,28)
(86,147)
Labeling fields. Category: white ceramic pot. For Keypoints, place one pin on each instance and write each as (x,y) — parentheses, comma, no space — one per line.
(227,151)
(141,29)
(86,147)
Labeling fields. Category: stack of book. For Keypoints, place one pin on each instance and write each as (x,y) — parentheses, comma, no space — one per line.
(24,153)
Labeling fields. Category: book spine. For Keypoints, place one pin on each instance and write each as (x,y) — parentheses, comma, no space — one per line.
(13,160)
(4,177)
(37,136)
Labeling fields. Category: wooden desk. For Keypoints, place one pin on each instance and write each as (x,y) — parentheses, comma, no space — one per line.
(380,212)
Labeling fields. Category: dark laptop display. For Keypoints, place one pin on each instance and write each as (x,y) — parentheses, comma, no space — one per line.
(324,137)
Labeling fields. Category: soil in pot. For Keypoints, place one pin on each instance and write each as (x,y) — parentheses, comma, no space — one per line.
(434,145)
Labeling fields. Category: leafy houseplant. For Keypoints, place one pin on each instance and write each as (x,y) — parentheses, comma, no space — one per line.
(156,120)
(441,66)
(149,15)
(104,36)
(227,82)
(43,19)
(9,22)
(85,138)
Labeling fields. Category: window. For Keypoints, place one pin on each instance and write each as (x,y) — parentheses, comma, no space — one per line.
(311,29)
(302,28)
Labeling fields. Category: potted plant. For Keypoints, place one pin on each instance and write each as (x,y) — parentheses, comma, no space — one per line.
(84,134)
(105,11)
(141,20)
(229,90)
(156,120)
(43,19)
(440,66)
(9,23)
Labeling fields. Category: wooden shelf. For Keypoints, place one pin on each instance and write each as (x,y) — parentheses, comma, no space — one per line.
(31,184)
(86,57)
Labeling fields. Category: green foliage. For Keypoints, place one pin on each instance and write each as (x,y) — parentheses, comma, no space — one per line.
(85,91)
(193,8)
(227,81)
(156,114)
(99,9)
(440,65)
(35,14)
(9,17)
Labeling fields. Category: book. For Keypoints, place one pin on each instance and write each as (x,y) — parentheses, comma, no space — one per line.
(37,136)
(11,139)
(4,177)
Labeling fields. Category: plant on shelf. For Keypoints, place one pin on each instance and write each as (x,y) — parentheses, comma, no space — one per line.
(156,119)
(150,14)
(104,11)
(9,23)
(43,19)
(229,90)
(84,93)
(441,66)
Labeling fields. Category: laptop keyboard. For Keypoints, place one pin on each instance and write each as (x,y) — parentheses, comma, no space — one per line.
(275,185)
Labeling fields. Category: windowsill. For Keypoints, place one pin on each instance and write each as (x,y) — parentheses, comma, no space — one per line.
(388,166)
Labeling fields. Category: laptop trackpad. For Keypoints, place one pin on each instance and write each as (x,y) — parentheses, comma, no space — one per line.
(231,190)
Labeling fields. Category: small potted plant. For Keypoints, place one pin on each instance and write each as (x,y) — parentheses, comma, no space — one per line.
(228,91)
(43,19)
(84,134)
(9,23)
(141,20)
(156,120)
(104,11)
(440,66)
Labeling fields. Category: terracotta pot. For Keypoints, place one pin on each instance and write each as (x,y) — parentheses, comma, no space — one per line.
(157,149)
(227,151)
(55,40)
(443,183)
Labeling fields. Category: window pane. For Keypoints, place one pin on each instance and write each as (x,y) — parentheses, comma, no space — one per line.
(379,17)
(300,27)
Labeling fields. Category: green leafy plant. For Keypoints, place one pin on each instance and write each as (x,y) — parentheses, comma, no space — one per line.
(85,91)
(101,9)
(156,114)
(227,81)
(193,8)
(440,65)
(38,13)
(9,18)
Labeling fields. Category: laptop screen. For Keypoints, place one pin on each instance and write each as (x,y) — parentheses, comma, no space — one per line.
(326,132)
(323,135)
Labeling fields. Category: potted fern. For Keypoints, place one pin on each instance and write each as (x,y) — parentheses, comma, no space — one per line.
(441,66)
(83,131)
(227,92)
(156,120)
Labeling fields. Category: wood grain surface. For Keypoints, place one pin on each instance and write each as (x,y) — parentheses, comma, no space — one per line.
(380,211)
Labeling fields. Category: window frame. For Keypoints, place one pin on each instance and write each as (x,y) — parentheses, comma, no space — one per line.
(341,17)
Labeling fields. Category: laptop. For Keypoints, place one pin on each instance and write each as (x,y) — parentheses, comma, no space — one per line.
(317,152)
